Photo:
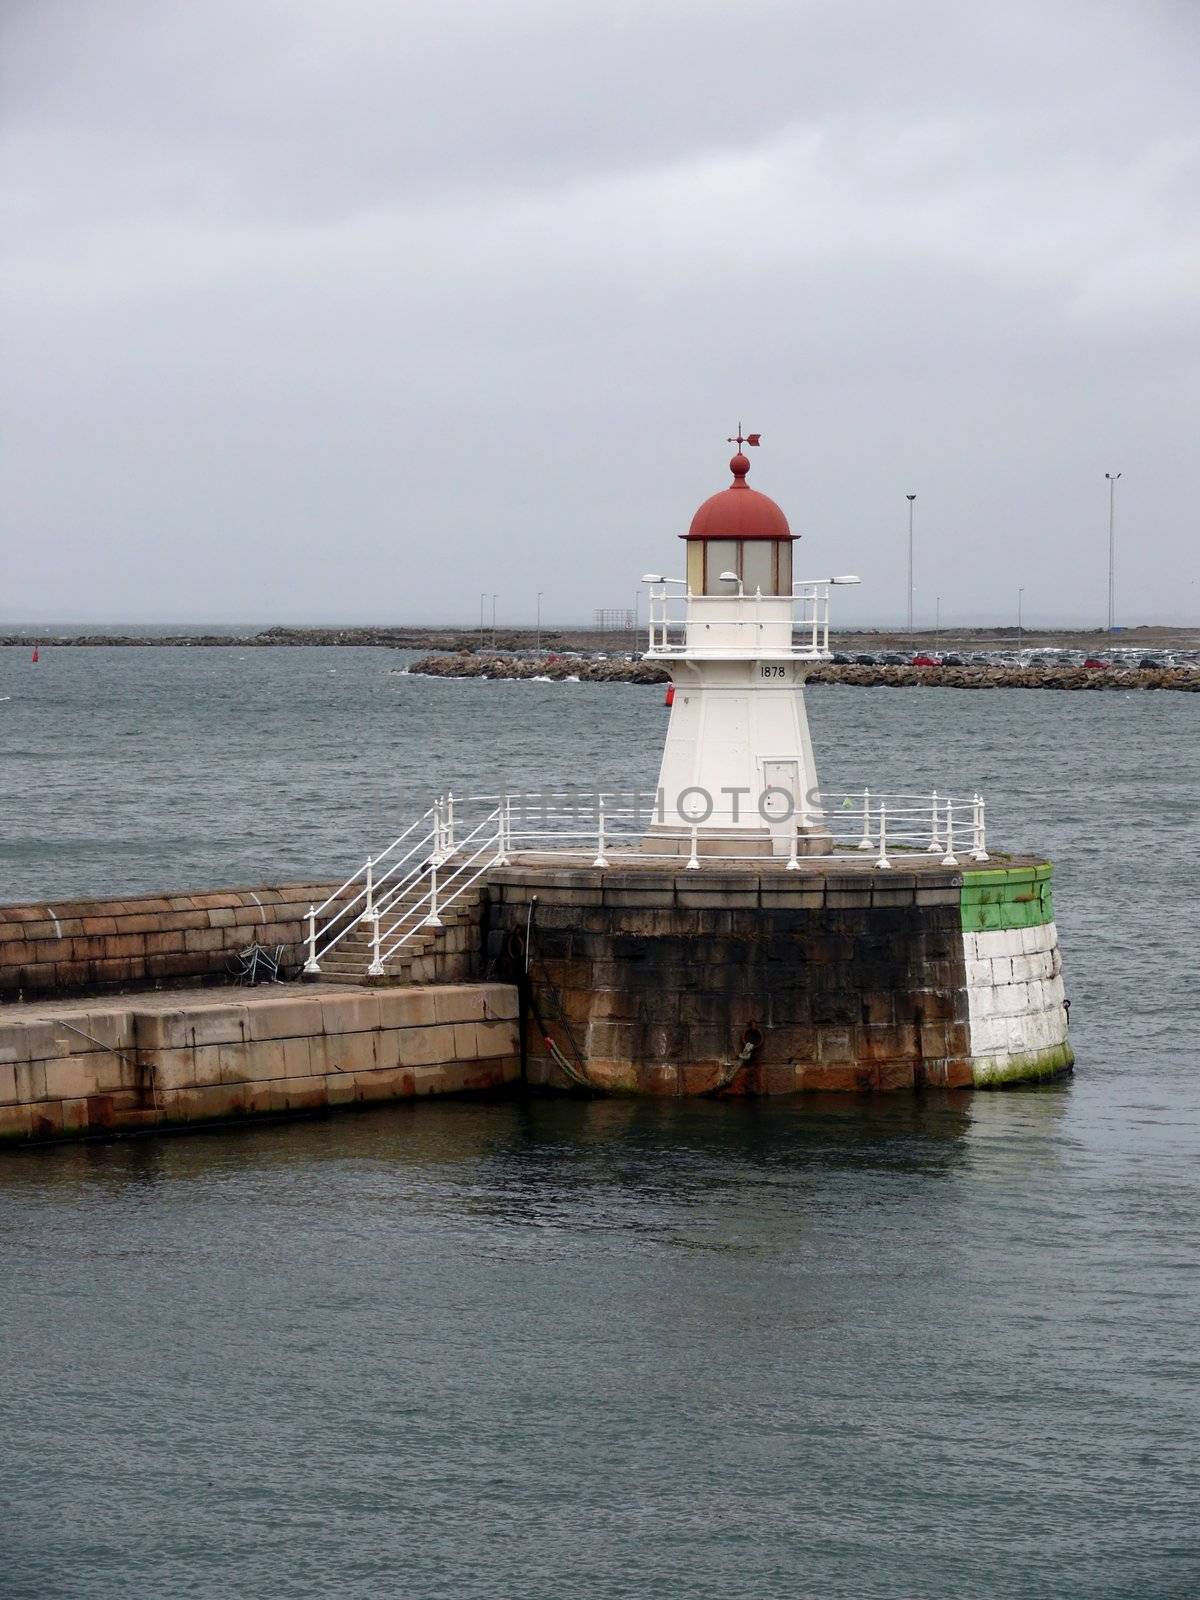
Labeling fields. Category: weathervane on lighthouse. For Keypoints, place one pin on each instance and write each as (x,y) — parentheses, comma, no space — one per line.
(739,636)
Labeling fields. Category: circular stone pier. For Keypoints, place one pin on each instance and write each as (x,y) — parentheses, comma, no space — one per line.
(756,979)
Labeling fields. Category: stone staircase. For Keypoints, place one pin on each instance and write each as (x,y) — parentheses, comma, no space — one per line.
(428,955)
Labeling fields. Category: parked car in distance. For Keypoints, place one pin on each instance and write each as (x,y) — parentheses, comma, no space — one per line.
(923,661)
(1094,664)
(865,661)
(952,660)
(840,660)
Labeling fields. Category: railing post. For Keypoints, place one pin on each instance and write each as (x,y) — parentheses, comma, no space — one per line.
(601,860)
(693,864)
(935,843)
(866,842)
(979,846)
(450,822)
(433,920)
(369,909)
(500,859)
(437,829)
(310,966)
(882,859)
(793,864)
(949,859)
(375,970)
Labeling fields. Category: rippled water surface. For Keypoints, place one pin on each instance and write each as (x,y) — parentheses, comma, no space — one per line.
(943,1346)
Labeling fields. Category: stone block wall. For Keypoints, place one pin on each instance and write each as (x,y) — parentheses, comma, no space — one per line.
(656,982)
(839,977)
(130,1065)
(1016,1001)
(93,946)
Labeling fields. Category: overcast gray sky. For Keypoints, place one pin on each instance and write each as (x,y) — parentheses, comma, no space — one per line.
(354,311)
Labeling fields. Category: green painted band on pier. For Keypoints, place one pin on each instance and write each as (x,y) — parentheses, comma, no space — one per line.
(1007,897)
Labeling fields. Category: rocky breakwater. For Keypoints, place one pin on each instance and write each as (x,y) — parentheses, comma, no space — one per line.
(559,669)
(991,677)
(610,670)
(386,638)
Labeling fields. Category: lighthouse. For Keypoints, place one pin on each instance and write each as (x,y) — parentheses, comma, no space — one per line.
(759,935)
(739,635)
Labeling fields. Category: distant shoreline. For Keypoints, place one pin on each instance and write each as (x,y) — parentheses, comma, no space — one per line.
(457,640)
(584,670)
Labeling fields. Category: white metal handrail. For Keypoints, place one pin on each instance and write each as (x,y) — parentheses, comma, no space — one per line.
(551,813)
(619,826)
(368,895)
(354,876)
(442,895)
(792,625)
(345,914)
(927,826)
(618,820)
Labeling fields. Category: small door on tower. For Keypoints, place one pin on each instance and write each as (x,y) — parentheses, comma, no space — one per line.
(780,801)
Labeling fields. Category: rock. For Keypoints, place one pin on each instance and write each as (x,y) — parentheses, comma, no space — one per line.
(588,670)
(466,664)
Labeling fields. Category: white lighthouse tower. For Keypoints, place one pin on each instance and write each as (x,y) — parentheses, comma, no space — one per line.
(739,636)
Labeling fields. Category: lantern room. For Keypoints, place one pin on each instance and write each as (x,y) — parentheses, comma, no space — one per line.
(739,535)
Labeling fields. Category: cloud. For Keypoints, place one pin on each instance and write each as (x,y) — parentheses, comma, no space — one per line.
(448,290)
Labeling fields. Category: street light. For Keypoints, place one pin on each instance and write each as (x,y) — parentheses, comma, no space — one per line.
(1112,549)
(1020,628)
(910,498)
(539,619)
(482,599)
(937,618)
(493,622)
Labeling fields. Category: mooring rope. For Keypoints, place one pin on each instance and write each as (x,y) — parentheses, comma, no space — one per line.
(578,1074)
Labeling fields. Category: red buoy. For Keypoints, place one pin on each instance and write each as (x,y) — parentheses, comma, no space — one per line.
(34,656)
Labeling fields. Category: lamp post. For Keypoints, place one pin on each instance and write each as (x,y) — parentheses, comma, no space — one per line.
(482,599)
(937,618)
(1020,628)
(539,619)
(910,498)
(1112,549)
(493,622)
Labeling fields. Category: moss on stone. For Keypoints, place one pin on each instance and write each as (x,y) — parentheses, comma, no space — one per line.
(1032,1067)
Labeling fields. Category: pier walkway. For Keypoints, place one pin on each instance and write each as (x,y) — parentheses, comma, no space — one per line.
(128,1063)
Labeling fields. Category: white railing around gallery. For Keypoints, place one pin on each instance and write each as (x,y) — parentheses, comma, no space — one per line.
(741,623)
(445,852)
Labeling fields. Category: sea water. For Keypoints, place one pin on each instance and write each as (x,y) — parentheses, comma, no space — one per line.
(892,1346)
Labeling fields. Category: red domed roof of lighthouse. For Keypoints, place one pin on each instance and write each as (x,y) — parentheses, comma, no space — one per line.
(739,512)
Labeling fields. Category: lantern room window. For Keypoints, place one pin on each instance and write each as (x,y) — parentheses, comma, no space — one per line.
(761,564)
(759,568)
